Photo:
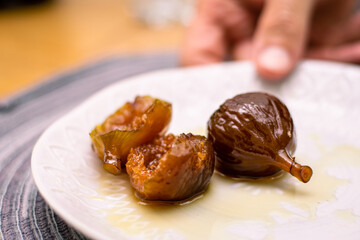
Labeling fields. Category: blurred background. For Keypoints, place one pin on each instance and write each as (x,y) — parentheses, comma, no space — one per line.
(39,38)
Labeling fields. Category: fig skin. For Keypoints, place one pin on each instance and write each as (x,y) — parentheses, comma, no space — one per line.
(171,168)
(253,136)
(130,126)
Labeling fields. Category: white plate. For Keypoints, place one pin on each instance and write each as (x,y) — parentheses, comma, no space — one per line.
(324,101)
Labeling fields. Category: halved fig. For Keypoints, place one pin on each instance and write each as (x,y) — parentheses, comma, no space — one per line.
(171,168)
(130,126)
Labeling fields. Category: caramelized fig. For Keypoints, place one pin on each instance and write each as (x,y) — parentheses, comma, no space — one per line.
(130,126)
(253,136)
(171,168)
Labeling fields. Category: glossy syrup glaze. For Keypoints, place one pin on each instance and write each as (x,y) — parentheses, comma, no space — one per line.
(131,125)
(253,136)
(171,168)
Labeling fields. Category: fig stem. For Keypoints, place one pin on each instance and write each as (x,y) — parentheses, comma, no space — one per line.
(288,164)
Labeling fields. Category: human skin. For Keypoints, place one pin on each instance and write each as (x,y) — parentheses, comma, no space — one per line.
(274,34)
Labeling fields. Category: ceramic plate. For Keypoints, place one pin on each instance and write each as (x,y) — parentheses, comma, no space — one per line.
(323,99)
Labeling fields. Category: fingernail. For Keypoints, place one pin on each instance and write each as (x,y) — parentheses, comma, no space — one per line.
(274,59)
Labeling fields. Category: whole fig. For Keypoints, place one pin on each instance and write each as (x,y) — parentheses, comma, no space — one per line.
(253,136)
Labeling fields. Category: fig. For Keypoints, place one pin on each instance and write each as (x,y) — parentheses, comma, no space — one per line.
(131,125)
(253,136)
(171,168)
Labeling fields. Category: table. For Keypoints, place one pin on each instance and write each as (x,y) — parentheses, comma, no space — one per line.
(39,41)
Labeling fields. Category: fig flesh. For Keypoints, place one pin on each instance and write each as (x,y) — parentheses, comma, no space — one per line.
(131,125)
(171,168)
(253,136)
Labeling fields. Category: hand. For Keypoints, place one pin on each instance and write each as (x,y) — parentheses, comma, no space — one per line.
(274,34)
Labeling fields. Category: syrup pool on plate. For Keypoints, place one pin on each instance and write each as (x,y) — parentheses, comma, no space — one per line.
(234,208)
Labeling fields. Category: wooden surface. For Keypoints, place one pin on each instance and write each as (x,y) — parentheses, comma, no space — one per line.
(38,41)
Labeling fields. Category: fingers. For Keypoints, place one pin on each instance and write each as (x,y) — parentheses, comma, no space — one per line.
(280,36)
(218,24)
(242,49)
(335,23)
(349,53)
(351,31)
(204,44)
(254,4)
(238,21)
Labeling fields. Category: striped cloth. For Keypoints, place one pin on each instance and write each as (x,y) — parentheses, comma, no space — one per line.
(23,212)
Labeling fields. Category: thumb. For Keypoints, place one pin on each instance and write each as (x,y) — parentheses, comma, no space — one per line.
(280,36)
